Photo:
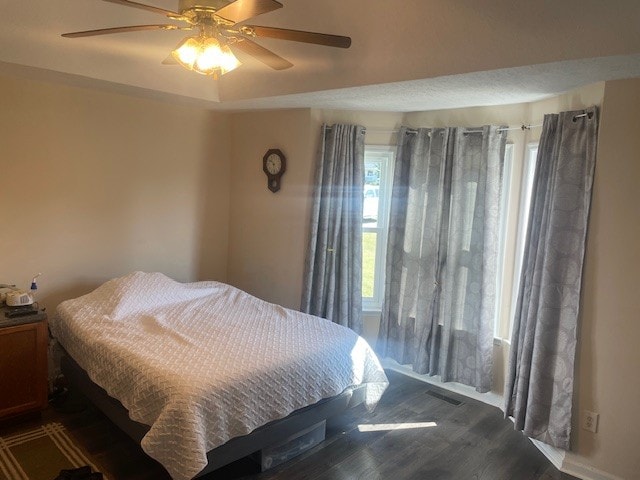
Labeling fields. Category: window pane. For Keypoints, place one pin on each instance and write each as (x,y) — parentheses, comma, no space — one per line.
(469,210)
(378,179)
(505,248)
(369,240)
(523,224)
(371,173)
(370,205)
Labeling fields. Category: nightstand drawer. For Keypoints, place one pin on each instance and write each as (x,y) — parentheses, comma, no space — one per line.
(23,368)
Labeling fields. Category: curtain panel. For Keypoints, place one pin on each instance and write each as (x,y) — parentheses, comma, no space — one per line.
(333,269)
(440,286)
(539,386)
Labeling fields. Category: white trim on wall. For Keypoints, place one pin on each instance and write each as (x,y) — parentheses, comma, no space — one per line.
(585,472)
(490,398)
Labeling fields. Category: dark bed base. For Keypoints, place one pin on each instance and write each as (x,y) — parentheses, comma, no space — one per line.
(301,427)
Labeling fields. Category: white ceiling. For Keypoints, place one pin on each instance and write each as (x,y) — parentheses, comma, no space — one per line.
(425,55)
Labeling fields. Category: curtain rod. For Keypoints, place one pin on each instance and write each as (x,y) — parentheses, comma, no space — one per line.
(505,129)
(413,131)
(364,129)
(529,127)
(522,127)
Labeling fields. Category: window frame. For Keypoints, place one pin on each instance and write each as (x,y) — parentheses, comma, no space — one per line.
(385,156)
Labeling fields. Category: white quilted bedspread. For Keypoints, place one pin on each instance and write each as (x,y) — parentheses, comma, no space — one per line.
(205,362)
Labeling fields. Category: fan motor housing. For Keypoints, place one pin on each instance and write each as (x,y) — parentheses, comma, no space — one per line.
(215,5)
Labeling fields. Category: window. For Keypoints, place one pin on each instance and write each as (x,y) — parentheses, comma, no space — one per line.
(526,191)
(516,199)
(378,179)
(505,201)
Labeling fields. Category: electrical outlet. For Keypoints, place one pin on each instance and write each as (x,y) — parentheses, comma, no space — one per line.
(590,421)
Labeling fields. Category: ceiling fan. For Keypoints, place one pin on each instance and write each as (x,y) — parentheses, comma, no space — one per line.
(219,34)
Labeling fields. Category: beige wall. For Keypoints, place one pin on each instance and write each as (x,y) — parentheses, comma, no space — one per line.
(609,356)
(267,236)
(95,185)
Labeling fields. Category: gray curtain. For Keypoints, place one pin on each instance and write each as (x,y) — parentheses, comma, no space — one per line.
(539,386)
(333,270)
(440,286)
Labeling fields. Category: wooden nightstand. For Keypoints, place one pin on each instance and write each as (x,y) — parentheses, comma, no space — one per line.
(23,364)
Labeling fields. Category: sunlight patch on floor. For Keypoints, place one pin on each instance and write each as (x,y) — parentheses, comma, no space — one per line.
(379,427)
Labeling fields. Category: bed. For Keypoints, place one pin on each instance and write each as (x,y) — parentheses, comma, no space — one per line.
(203,373)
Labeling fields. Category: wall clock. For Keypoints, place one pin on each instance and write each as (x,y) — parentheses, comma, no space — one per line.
(274,165)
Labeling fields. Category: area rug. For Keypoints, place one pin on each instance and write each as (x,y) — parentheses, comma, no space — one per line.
(39,454)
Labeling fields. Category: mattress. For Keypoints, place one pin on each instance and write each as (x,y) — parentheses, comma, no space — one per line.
(204,362)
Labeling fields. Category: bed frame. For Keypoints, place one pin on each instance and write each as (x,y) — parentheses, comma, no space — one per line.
(273,443)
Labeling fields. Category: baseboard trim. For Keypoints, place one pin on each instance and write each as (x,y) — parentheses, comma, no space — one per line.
(568,465)
(585,472)
(554,455)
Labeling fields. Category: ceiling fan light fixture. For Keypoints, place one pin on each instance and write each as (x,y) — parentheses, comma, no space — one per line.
(186,53)
(205,55)
(215,55)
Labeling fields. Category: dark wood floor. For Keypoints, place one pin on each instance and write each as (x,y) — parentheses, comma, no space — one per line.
(470,440)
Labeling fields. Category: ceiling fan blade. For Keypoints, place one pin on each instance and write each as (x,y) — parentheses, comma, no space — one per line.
(265,56)
(241,10)
(299,36)
(130,28)
(150,8)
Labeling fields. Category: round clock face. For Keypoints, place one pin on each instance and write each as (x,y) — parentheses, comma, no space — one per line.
(274,164)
